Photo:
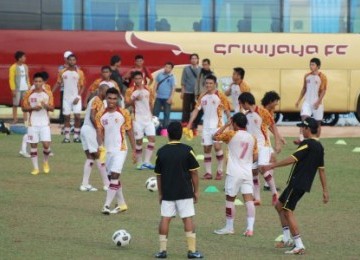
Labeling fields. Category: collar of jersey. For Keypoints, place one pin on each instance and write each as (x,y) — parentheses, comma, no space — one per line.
(174,142)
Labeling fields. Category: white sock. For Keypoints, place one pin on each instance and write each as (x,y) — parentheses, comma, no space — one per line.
(220,160)
(24,143)
(138,154)
(286,233)
(148,152)
(87,171)
(250,210)
(111,192)
(76,132)
(270,181)
(46,153)
(298,241)
(34,158)
(120,196)
(230,214)
(67,132)
(256,187)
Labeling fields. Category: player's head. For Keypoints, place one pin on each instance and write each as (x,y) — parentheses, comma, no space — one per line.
(139,60)
(194,59)
(239,120)
(137,76)
(210,82)
(310,127)
(174,131)
(168,67)
(38,79)
(112,96)
(271,99)
(205,64)
(102,91)
(106,72)
(45,75)
(115,60)
(315,64)
(246,100)
(238,74)
(71,59)
(20,56)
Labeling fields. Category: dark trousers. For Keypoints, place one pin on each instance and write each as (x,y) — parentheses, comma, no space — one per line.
(188,106)
(161,103)
(198,118)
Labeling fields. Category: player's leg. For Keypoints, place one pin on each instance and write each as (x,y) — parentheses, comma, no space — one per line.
(77,126)
(220,160)
(33,137)
(272,160)
(89,162)
(102,169)
(264,159)
(256,183)
(120,200)
(45,138)
(318,116)
(306,112)
(66,113)
(247,191)
(16,102)
(167,110)
(168,211)
(207,161)
(149,130)
(111,192)
(23,149)
(138,135)
(25,114)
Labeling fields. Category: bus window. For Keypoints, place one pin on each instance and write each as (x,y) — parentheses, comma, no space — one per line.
(20,15)
(355,16)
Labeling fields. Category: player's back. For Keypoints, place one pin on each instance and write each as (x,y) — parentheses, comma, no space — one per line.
(94,103)
(258,123)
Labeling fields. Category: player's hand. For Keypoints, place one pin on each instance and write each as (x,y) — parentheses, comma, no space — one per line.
(139,97)
(76,100)
(325,197)
(169,101)
(278,147)
(102,154)
(14,93)
(196,197)
(283,141)
(316,105)
(37,108)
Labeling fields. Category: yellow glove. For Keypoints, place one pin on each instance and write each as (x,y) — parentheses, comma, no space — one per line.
(102,154)
(188,133)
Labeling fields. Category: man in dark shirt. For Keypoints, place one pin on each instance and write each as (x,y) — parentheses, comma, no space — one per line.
(306,160)
(115,63)
(178,185)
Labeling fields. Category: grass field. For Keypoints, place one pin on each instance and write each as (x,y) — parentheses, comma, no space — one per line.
(47,217)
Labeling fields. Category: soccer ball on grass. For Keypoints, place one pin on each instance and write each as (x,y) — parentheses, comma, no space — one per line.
(151,184)
(121,237)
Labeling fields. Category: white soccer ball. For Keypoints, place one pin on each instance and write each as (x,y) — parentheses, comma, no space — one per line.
(156,121)
(121,237)
(151,184)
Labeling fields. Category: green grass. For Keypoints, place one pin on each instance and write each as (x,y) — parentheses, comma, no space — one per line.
(47,217)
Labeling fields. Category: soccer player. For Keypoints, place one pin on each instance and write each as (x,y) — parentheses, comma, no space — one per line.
(73,80)
(38,102)
(111,125)
(306,161)
(139,67)
(237,87)
(313,92)
(259,121)
(178,186)
(213,103)
(242,153)
(104,79)
(19,82)
(165,89)
(89,142)
(270,101)
(140,97)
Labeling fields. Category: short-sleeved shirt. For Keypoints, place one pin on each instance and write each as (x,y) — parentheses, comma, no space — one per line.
(94,104)
(309,158)
(142,107)
(213,106)
(146,73)
(314,85)
(236,90)
(189,78)
(242,148)
(72,80)
(167,83)
(33,99)
(258,124)
(174,161)
(114,124)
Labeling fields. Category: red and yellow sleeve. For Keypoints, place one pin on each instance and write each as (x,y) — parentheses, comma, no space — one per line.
(128,94)
(266,116)
(244,87)
(323,85)
(128,122)
(225,136)
(98,119)
(95,85)
(51,97)
(25,102)
(97,104)
(47,87)
(224,101)
(12,74)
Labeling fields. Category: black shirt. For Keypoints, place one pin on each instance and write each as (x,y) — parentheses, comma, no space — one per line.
(116,76)
(174,161)
(309,158)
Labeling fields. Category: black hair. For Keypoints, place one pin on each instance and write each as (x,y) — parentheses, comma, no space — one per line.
(316,61)
(170,63)
(39,75)
(194,55)
(45,75)
(105,68)
(206,60)
(139,56)
(135,73)
(247,97)
(70,56)
(240,120)
(211,77)
(115,59)
(112,91)
(174,130)
(269,97)
(240,71)
(18,55)
(314,130)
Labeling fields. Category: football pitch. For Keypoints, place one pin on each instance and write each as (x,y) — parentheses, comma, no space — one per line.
(47,217)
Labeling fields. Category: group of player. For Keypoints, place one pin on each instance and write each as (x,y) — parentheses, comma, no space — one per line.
(246,133)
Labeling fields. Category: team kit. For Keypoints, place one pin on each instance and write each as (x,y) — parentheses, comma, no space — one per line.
(114,111)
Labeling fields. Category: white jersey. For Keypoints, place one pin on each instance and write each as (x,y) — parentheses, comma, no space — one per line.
(94,103)
(72,80)
(23,82)
(242,148)
(258,124)
(236,90)
(114,125)
(33,99)
(142,110)
(213,106)
(314,85)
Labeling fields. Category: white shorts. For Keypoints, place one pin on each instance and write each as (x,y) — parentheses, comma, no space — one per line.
(309,110)
(185,208)
(38,134)
(88,138)
(207,136)
(235,184)
(264,156)
(141,128)
(69,107)
(18,97)
(115,161)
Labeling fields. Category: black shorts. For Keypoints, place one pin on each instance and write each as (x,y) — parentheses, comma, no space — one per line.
(290,197)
